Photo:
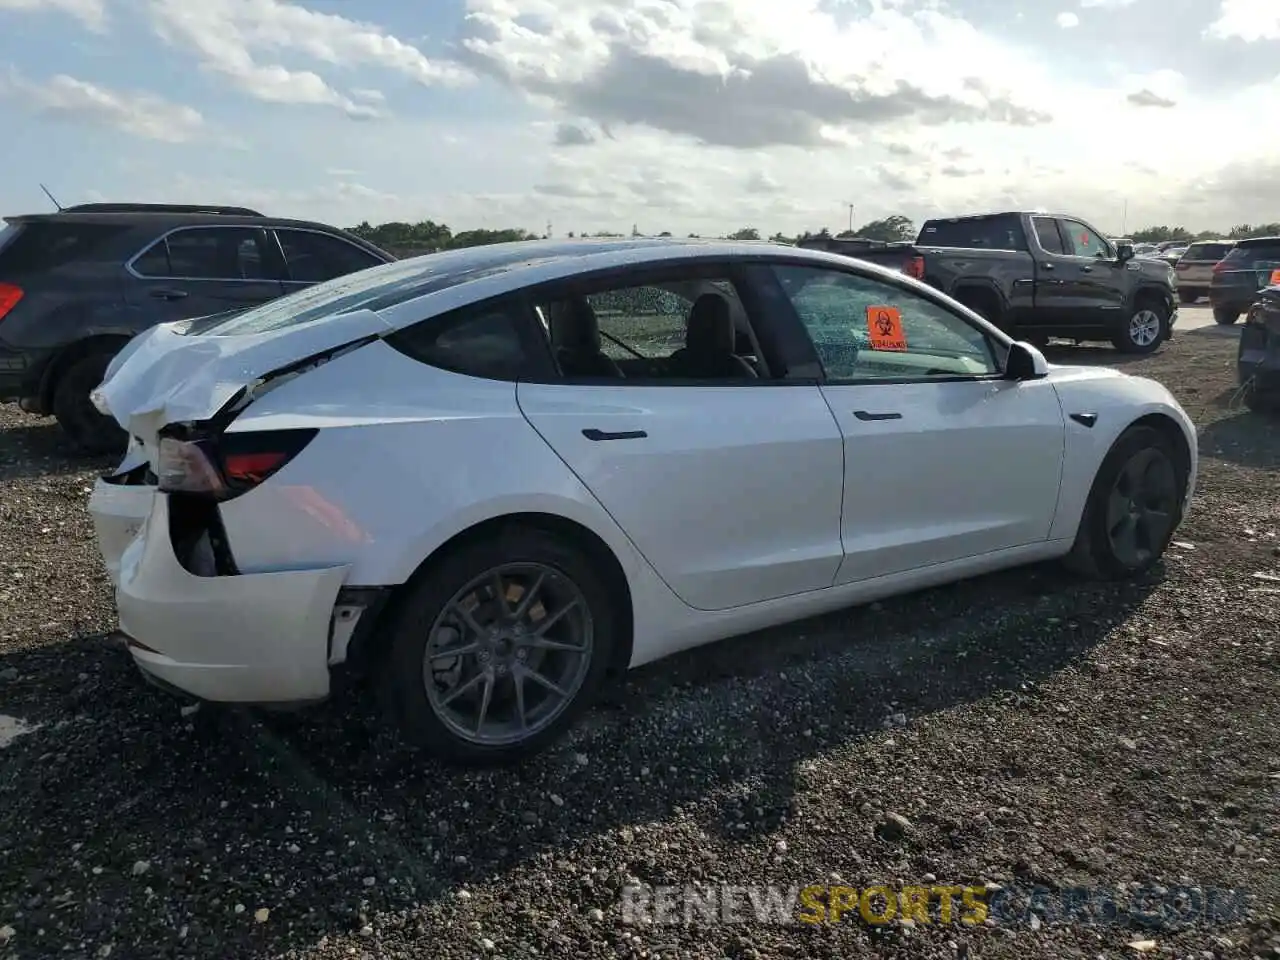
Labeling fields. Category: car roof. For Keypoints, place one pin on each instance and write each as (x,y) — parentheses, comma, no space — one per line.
(1258,241)
(167,220)
(435,283)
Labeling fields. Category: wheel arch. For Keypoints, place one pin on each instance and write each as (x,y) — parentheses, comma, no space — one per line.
(976,293)
(372,643)
(77,350)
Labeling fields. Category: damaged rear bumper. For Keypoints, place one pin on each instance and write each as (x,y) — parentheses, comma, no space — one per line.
(246,638)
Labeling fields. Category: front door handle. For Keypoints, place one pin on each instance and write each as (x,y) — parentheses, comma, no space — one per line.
(1046,266)
(594,434)
(169,294)
(866,415)
(1086,269)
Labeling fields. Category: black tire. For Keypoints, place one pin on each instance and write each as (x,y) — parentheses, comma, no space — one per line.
(1188,296)
(1126,337)
(415,615)
(1093,554)
(90,430)
(1261,402)
(1225,316)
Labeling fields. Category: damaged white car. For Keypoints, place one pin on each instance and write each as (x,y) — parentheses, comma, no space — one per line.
(498,476)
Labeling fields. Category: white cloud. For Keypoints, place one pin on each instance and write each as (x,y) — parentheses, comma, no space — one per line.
(92,13)
(227,35)
(755,73)
(141,114)
(1066,20)
(1247,20)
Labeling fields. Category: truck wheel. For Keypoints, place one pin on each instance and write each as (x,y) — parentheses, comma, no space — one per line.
(90,430)
(1225,315)
(1144,329)
(1188,296)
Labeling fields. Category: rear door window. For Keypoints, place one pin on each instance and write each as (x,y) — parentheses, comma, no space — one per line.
(40,245)
(315,257)
(1048,235)
(206,253)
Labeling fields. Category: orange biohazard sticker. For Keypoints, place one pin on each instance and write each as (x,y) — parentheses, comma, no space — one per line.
(884,324)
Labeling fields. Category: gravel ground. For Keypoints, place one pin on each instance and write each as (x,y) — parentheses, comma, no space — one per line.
(1018,729)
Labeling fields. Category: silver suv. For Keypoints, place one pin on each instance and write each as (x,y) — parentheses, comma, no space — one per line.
(1194,270)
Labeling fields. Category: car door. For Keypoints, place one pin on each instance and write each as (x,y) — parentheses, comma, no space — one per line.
(1100,279)
(728,482)
(197,271)
(943,458)
(1060,300)
(312,257)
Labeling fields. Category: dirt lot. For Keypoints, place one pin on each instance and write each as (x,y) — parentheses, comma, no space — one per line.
(1029,728)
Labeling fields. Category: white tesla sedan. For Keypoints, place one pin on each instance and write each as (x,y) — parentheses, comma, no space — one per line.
(497,476)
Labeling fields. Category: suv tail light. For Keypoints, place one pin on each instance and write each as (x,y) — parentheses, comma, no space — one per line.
(10,294)
(235,464)
(914,267)
(1220,266)
(1275,278)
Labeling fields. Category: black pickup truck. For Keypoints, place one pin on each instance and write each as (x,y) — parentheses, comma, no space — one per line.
(1037,275)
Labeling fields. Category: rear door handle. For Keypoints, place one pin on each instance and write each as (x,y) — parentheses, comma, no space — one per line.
(169,294)
(866,415)
(594,434)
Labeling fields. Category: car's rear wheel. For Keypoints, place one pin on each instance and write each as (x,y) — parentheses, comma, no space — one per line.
(1225,315)
(89,429)
(1188,296)
(499,647)
(1134,506)
(1144,329)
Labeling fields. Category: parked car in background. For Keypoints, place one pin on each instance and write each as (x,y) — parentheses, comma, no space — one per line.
(76,285)
(1171,255)
(1237,277)
(1193,273)
(1258,356)
(561,443)
(1038,275)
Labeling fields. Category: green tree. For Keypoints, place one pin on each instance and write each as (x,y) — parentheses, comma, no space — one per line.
(1244,231)
(891,229)
(746,233)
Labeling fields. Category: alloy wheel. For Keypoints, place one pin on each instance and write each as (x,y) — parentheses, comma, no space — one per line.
(508,653)
(1141,507)
(1144,328)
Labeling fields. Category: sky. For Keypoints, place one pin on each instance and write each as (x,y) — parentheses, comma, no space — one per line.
(690,116)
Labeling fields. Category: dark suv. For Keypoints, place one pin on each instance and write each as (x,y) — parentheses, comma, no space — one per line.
(76,285)
(1239,276)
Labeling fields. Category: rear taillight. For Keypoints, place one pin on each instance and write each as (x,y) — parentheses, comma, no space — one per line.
(1275,278)
(914,267)
(233,465)
(1220,266)
(10,294)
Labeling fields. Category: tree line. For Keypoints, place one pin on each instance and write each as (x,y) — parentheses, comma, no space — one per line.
(427,236)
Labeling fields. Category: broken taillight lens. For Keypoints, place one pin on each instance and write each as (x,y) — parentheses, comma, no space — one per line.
(234,464)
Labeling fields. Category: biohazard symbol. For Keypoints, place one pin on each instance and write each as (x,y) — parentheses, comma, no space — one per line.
(884,325)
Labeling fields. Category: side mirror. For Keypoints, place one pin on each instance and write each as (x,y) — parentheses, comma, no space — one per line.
(1025,362)
(1124,253)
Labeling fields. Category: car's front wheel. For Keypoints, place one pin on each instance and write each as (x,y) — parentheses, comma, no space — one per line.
(1134,506)
(1144,329)
(497,649)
